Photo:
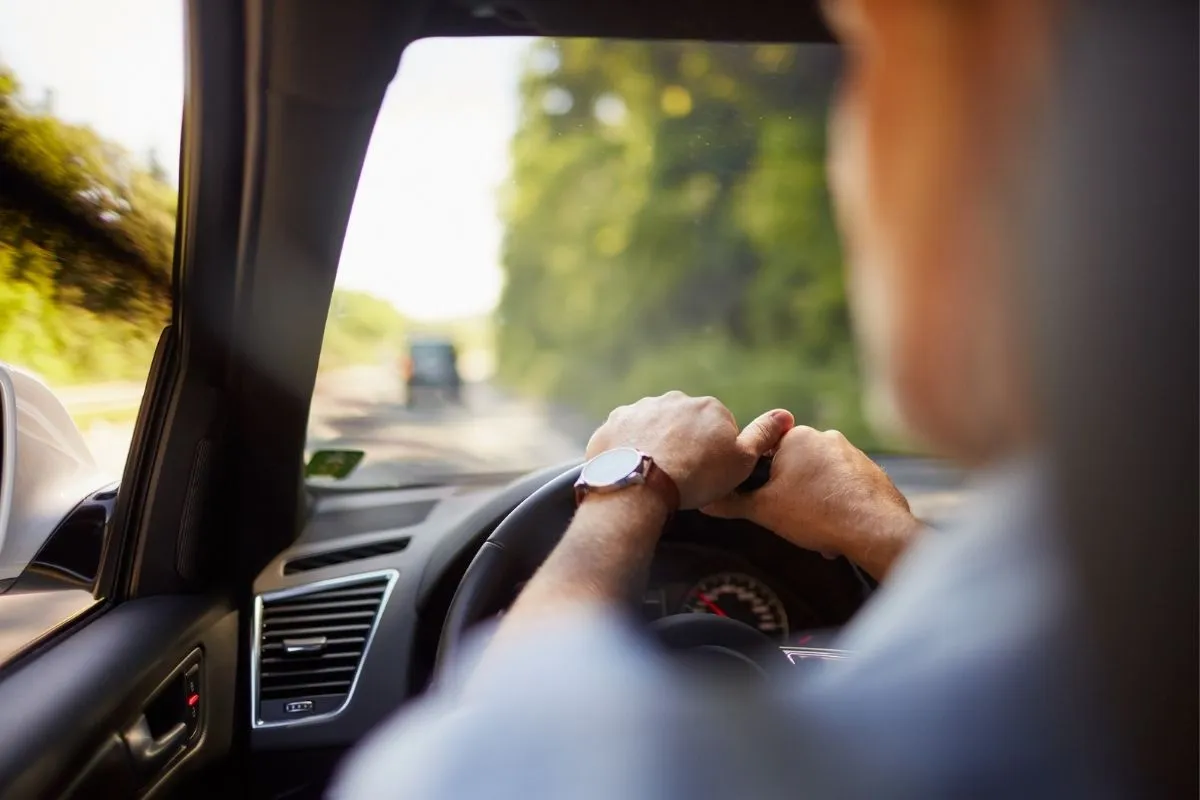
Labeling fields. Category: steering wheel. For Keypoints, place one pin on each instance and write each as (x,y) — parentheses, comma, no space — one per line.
(523,540)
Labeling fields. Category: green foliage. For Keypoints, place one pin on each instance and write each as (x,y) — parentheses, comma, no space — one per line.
(361,329)
(672,229)
(64,342)
(85,250)
(108,222)
(86,239)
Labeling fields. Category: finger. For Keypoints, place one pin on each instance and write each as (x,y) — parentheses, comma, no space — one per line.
(763,434)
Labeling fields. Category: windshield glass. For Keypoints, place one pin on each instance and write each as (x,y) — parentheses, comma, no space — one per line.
(548,228)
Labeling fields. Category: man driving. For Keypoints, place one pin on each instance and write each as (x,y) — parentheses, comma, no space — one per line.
(966,678)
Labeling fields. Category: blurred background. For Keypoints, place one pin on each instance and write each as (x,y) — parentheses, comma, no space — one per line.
(544,229)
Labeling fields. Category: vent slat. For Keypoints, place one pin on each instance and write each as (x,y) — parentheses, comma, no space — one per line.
(340,651)
(344,615)
(331,643)
(304,689)
(374,590)
(363,592)
(330,671)
(310,619)
(317,631)
(364,595)
(291,665)
(292,615)
(344,555)
(330,602)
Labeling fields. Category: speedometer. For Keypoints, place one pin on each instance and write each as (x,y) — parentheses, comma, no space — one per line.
(742,597)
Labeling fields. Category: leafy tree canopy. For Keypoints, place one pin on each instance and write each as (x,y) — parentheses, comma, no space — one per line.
(668,226)
(81,213)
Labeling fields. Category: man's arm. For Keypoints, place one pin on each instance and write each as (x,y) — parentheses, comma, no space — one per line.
(824,494)
(603,557)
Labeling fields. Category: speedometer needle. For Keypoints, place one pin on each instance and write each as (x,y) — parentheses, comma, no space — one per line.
(713,607)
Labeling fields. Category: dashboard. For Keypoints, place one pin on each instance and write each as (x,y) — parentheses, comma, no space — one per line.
(348,618)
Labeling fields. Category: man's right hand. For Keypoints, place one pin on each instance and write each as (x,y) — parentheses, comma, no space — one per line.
(825,494)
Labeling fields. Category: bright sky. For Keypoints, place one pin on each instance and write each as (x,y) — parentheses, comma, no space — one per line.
(424,231)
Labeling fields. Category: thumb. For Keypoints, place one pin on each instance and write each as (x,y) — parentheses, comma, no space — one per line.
(763,434)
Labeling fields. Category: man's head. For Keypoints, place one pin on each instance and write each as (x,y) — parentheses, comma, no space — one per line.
(930,147)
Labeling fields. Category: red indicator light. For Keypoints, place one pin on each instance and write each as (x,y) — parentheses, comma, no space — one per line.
(193,699)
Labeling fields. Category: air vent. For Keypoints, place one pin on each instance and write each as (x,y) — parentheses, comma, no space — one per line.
(331,557)
(311,644)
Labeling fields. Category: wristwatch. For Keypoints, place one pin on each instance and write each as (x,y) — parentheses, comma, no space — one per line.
(621,467)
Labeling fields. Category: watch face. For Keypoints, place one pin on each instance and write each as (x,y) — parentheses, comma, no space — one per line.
(611,467)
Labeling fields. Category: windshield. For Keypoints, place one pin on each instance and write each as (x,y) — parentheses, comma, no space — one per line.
(548,228)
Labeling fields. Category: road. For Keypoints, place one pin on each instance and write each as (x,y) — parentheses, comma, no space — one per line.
(363,408)
(490,431)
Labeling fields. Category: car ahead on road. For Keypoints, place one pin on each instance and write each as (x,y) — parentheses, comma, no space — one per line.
(431,370)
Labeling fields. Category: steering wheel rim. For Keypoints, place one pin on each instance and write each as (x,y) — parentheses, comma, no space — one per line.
(513,551)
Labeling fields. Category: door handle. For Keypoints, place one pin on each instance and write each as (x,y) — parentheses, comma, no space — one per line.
(150,753)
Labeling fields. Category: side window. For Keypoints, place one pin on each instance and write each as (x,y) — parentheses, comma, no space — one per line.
(91,97)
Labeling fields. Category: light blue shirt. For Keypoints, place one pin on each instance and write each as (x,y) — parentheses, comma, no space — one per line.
(967,680)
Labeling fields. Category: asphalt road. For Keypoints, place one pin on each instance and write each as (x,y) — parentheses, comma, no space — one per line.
(364,408)
(488,431)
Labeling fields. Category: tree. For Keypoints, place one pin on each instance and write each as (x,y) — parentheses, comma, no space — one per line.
(668,226)
(86,244)
(107,225)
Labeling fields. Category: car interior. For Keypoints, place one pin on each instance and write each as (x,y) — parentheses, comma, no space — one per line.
(254,628)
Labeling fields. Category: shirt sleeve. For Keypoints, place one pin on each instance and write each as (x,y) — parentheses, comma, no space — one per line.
(585,708)
(541,720)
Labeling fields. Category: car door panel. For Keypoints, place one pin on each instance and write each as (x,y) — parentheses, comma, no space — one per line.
(77,715)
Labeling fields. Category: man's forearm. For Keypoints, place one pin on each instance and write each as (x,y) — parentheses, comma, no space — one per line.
(602,558)
(878,549)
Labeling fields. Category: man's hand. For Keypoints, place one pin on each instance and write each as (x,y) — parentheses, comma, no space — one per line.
(606,550)
(695,440)
(825,494)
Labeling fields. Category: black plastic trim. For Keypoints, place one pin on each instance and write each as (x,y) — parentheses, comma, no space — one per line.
(60,707)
